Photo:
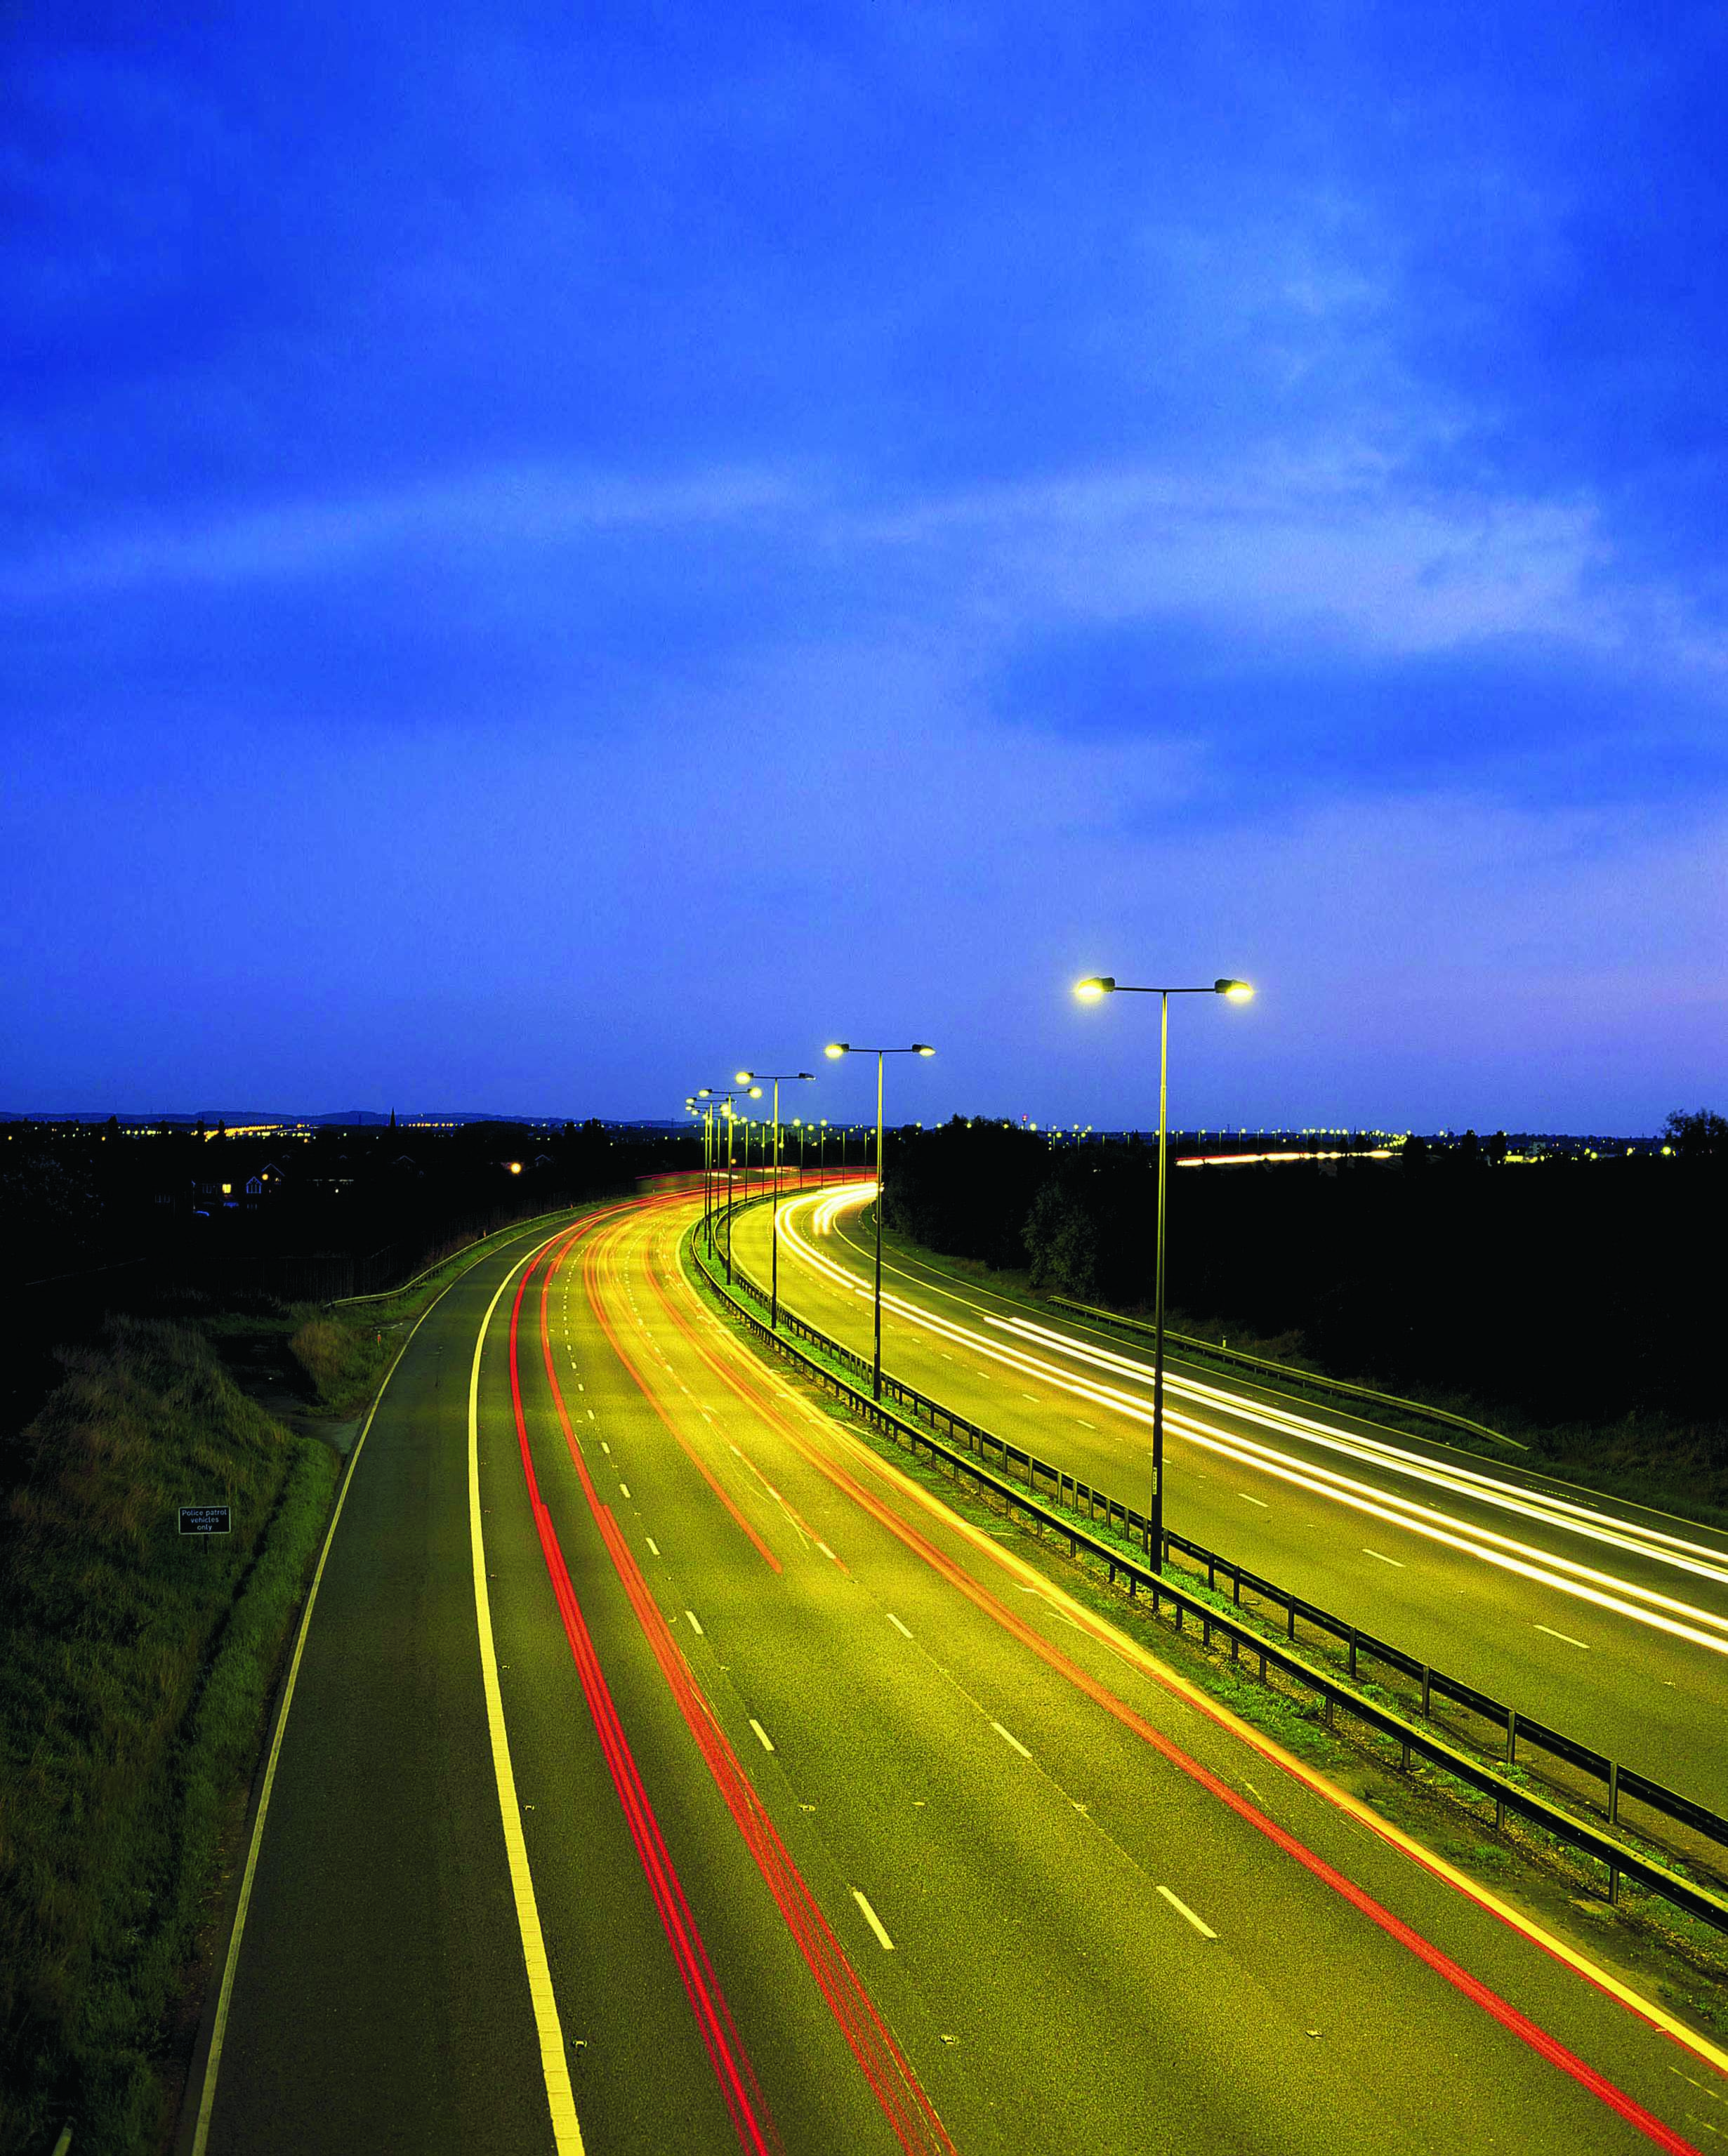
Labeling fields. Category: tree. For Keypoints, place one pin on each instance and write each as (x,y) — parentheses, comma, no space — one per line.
(1700,1135)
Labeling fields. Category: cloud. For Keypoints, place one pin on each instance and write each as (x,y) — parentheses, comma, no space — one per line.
(530,506)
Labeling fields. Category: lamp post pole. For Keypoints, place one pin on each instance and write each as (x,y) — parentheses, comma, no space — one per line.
(838,1048)
(751,1078)
(719,1100)
(1089,990)
(705,1109)
(723,1098)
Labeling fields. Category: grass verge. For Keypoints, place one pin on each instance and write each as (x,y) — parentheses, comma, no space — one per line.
(1654,1947)
(134,1670)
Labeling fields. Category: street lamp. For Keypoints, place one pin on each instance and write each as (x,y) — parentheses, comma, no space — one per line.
(723,1098)
(835,1050)
(1091,990)
(774,1077)
(700,1105)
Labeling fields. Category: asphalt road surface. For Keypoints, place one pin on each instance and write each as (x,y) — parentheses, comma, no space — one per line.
(666,1772)
(1605,1621)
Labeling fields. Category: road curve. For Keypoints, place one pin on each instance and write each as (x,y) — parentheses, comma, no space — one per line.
(837,1825)
(1601,1619)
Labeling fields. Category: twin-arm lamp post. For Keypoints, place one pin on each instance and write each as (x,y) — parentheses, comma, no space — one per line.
(772,1077)
(723,1098)
(836,1049)
(1089,990)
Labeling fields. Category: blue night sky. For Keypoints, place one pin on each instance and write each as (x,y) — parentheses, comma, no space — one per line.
(549,552)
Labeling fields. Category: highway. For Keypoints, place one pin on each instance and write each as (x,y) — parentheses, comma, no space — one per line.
(665,1771)
(1604,1621)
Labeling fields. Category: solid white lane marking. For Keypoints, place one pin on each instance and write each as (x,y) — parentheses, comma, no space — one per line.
(1248,1500)
(694,1627)
(874,1922)
(566,2131)
(1182,1909)
(624,1489)
(1567,1637)
(1008,1736)
(1397,1561)
(653,1545)
(767,1740)
(896,1625)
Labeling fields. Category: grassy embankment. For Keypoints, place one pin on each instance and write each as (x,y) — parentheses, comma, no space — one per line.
(136,1670)
(1652,1946)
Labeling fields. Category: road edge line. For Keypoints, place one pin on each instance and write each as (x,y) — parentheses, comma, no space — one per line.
(212,2056)
(560,2098)
(1166,1675)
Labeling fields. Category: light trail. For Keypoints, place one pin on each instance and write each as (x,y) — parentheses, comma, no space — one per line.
(1654,2129)
(1602,1590)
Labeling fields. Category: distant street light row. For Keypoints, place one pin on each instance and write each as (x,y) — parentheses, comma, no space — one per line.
(710,1100)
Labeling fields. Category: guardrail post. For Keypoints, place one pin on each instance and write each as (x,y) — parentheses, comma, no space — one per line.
(1613,1882)
(1511,1735)
(1353,1650)
(1614,1793)
(1427,1678)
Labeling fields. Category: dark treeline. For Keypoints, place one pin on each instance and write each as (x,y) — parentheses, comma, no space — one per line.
(1570,1290)
(92,1219)
(72,1200)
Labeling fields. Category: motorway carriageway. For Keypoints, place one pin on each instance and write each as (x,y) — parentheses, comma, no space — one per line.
(664,1770)
(1604,1621)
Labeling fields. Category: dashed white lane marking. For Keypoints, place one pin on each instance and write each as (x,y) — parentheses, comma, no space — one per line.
(1248,1500)
(624,1489)
(827,1553)
(874,1922)
(1008,1736)
(590,1415)
(1032,1397)
(1182,1909)
(767,1740)
(1397,1561)
(1084,1424)
(896,1622)
(605,1448)
(1567,1637)
(653,1545)
(694,1627)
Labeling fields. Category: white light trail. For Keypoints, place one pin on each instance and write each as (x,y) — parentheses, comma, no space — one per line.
(1625,1598)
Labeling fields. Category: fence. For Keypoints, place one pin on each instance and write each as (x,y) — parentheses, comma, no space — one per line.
(1619,1783)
